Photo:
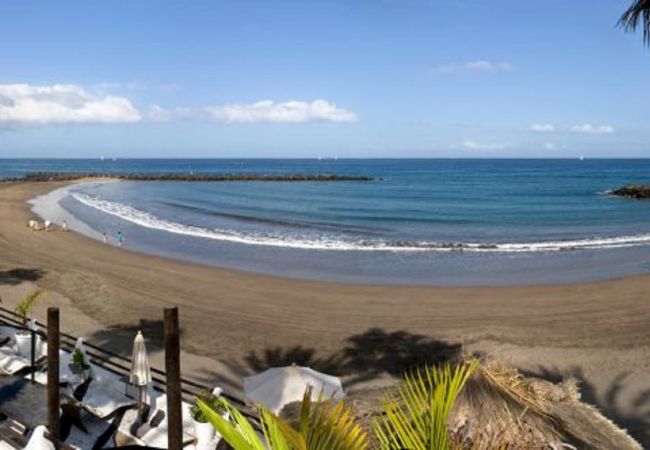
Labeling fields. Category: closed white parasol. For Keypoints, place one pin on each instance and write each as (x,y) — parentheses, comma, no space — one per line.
(278,386)
(140,371)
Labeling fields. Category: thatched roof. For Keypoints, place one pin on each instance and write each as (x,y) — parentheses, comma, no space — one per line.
(500,408)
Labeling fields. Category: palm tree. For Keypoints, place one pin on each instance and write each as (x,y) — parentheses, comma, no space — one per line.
(637,14)
(323,425)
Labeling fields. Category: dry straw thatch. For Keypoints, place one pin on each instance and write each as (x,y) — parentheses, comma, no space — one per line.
(499,408)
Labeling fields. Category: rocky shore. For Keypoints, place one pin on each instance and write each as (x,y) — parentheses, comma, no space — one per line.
(202,177)
(636,191)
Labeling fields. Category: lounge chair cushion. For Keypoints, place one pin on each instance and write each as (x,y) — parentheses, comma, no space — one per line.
(38,441)
(11,362)
(101,400)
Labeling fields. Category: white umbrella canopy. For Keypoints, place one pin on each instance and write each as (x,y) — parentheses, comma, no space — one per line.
(140,371)
(278,386)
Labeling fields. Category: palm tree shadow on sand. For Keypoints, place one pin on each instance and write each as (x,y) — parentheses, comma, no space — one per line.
(636,419)
(367,354)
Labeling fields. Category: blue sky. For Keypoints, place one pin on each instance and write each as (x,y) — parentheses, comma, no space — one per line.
(346,78)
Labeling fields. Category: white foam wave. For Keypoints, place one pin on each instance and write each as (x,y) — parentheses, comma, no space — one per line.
(148,220)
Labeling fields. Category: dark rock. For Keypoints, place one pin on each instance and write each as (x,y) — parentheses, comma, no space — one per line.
(636,191)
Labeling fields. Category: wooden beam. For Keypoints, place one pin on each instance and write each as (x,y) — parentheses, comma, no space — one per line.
(53,400)
(173,369)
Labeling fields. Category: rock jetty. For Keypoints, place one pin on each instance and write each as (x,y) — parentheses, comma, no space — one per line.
(196,177)
(636,191)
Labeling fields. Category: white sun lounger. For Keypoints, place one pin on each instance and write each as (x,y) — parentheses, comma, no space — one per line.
(11,361)
(157,436)
(105,393)
(101,400)
(39,441)
(65,374)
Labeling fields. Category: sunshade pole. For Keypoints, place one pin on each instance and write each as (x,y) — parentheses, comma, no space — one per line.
(173,369)
(53,401)
(32,375)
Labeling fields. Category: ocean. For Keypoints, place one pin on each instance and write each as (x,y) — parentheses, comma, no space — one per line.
(429,221)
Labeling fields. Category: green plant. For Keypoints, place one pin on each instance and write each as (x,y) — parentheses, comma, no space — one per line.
(324,425)
(79,358)
(212,401)
(24,308)
(416,417)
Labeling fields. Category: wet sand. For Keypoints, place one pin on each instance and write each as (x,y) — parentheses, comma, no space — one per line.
(234,323)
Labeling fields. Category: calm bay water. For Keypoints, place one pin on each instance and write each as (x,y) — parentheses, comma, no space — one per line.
(422,221)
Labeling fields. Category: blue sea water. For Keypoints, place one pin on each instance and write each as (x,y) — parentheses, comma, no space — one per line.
(435,221)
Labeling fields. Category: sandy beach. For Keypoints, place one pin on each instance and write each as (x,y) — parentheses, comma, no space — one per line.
(235,323)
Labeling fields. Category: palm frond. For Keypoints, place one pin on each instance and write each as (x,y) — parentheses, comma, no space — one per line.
(239,434)
(416,417)
(637,14)
(324,425)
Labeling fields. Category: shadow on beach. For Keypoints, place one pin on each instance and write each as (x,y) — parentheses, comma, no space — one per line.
(19,275)
(636,420)
(368,354)
(119,338)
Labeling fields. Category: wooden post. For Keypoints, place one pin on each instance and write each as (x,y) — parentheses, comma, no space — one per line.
(53,401)
(33,358)
(173,369)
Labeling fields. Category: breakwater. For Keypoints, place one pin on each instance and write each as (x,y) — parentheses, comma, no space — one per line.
(200,177)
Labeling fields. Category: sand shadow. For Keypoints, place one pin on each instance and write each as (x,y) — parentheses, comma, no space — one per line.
(19,275)
(378,351)
(119,338)
(367,354)
(636,421)
(279,357)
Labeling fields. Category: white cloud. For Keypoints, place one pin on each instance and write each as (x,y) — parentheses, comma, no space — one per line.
(588,128)
(285,112)
(542,128)
(471,144)
(157,113)
(479,65)
(550,146)
(61,103)
(24,104)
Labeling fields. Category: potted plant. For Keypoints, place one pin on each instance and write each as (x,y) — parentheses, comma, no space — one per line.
(23,310)
(79,365)
(203,429)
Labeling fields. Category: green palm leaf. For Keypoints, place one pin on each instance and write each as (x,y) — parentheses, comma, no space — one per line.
(416,417)
(324,425)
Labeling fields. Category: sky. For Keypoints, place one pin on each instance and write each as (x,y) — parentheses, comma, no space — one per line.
(310,78)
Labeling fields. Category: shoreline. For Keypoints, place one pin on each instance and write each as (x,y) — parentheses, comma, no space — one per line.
(234,323)
(460,264)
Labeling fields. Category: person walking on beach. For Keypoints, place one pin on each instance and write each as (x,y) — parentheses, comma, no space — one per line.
(105,237)
(120,238)
(64,226)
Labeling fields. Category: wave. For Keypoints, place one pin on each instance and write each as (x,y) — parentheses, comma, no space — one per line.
(147,220)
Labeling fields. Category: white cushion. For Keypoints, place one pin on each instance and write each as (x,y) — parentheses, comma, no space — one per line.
(38,441)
